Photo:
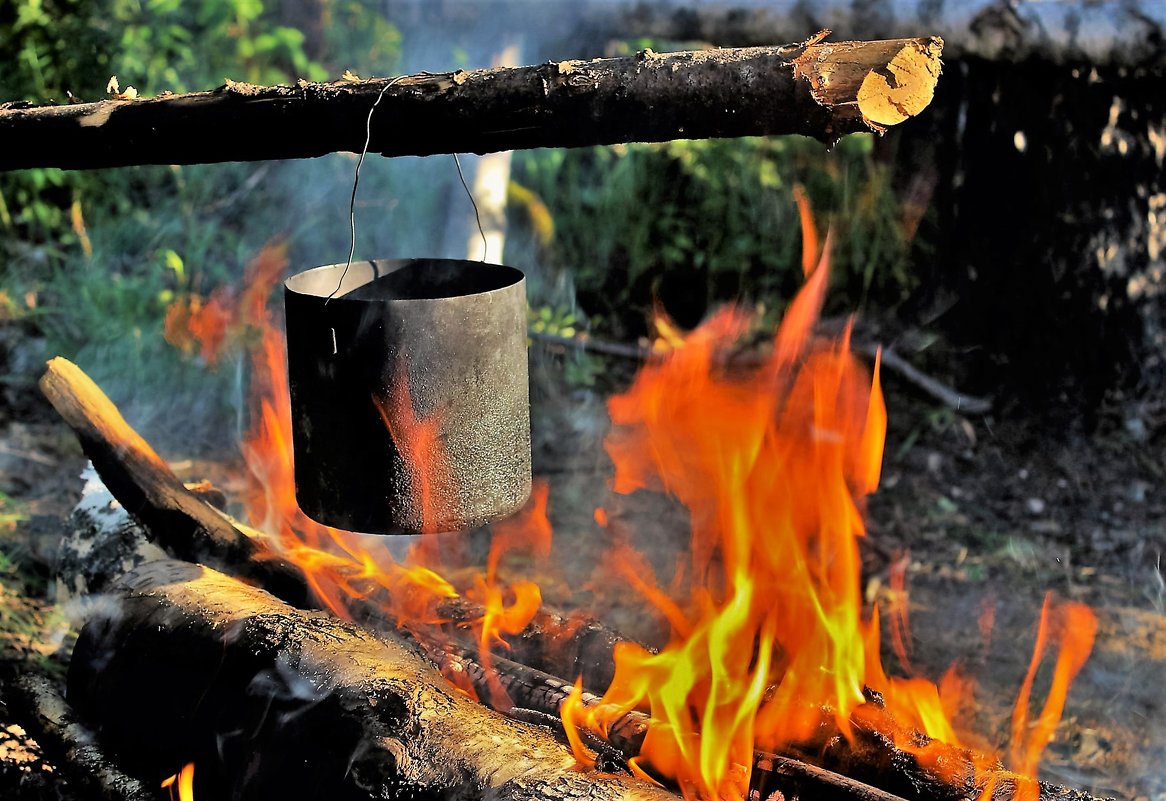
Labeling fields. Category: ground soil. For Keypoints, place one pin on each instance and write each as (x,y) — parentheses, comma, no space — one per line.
(988,512)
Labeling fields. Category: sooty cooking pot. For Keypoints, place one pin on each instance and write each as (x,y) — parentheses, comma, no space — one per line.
(434,349)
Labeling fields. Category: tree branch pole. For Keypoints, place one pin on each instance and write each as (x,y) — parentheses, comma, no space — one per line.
(815,88)
(892,362)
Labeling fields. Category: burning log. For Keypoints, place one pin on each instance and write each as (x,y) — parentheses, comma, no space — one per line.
(186,527)
(871,765)
(269,701)
(812,88)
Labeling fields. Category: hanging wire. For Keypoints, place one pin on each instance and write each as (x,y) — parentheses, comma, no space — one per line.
(355,184)
(477,217)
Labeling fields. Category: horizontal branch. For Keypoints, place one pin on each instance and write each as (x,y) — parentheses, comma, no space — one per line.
(818,89)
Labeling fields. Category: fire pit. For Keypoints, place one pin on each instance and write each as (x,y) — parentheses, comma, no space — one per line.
(768,683)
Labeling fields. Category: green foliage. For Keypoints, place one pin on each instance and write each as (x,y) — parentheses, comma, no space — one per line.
(105,251)
(693,223)
(579,368)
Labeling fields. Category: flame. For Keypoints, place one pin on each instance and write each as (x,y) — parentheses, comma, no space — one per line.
(1074,625)
(770,638)
(183,782)
(210,324)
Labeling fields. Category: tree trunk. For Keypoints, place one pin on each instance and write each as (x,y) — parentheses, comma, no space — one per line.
(188,665)
(821,90)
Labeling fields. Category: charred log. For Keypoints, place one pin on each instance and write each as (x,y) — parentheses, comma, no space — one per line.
(817,89)
(268,701)
(186,527)
(36,702)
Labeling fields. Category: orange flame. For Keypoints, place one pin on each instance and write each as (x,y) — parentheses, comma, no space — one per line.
(1074,626)
(183,782)
(768,633)
(769,637)
(209,324)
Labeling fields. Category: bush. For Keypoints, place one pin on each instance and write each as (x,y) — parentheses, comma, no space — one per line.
(694,223)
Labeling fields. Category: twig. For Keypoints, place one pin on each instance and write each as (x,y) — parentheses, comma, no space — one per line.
(892,361)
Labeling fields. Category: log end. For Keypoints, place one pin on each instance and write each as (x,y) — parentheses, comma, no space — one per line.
(90,412)
(885,82)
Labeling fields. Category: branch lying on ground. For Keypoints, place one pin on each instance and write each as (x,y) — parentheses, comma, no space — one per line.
(813,88)
(35,700)
(891,361)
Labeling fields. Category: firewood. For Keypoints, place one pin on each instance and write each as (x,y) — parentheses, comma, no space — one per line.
(869,766)
(268,701)
(186,527)
(824,90)
(182,523)
(34,699)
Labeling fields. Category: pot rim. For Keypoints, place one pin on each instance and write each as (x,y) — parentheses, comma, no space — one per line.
(311,283)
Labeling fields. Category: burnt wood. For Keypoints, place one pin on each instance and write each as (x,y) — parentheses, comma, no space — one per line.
(268,701)
(184,525)
(824,90)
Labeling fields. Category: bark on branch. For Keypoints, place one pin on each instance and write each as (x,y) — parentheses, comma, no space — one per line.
(813,88)
(273,702)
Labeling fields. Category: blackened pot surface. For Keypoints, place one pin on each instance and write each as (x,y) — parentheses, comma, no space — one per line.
(457,331)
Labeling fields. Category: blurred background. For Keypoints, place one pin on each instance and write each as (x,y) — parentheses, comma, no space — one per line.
(1009,243)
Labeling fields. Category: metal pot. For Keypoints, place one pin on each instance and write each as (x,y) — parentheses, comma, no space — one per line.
(434,349)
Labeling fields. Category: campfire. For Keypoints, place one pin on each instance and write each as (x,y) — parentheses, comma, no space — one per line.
(764,678)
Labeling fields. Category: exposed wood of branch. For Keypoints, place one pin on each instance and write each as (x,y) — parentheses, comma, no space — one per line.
(270,701)
(823,90)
